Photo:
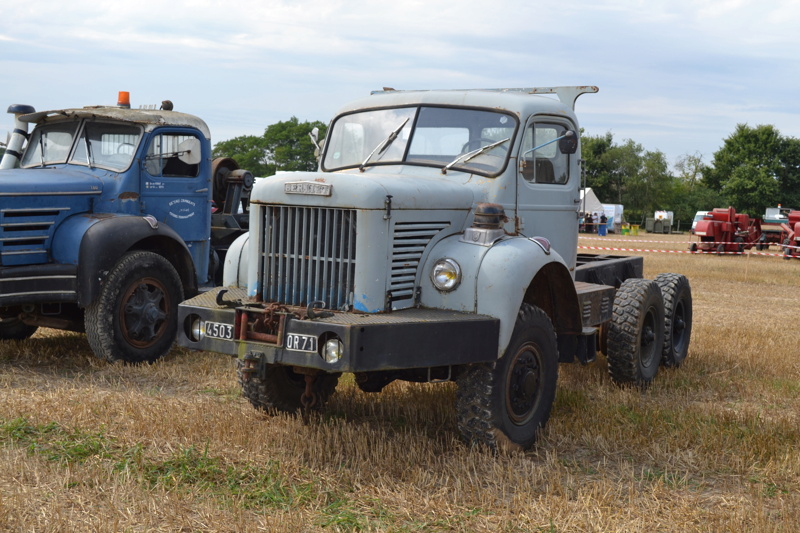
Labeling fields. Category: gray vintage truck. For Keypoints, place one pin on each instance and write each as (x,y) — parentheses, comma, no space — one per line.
(437,242)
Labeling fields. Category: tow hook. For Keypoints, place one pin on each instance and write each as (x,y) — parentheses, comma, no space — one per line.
(249,366)
(309,398)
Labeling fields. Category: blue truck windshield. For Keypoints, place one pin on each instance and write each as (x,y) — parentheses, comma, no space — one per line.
(428,136)
(105,145)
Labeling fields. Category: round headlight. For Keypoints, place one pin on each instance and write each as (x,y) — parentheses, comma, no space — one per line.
(198,330)
(333,350)
(446,274)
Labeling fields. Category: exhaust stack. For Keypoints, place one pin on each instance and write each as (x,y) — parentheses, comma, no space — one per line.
(18,137)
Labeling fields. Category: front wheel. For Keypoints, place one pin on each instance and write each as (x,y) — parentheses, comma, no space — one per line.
(636,333)
(14,329)
(281,389)
(504,404)
(135,317)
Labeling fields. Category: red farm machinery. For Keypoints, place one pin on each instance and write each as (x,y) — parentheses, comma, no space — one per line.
(791,235)
(724,231)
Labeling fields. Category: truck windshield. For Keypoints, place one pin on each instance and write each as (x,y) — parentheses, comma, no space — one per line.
(427,136)
(50,144)
(105,145)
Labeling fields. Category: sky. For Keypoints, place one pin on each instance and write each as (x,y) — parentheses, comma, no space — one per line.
(676,77)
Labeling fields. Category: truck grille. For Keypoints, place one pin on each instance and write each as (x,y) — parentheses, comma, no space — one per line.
(309,255)
(409,243)
(24,233)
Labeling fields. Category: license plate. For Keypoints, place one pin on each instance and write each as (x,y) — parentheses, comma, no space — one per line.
(216,330)
(301,343)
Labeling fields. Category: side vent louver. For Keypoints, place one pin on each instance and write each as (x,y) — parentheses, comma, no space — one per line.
(408,244)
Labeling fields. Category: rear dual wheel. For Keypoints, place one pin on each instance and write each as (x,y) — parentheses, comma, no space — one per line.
(636,333)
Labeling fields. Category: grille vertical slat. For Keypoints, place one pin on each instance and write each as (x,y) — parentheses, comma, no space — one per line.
(309,255)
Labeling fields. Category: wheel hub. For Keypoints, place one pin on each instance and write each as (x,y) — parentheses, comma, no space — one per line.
(144,313)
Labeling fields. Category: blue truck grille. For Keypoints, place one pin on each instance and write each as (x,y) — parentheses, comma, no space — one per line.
(309,255)
(24,234)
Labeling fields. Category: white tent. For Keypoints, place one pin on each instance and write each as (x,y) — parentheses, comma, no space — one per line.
(589,202)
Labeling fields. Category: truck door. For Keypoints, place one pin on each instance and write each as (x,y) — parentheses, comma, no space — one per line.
(548,185)
(175,189)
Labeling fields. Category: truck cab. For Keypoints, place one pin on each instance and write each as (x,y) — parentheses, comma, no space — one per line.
(106,193)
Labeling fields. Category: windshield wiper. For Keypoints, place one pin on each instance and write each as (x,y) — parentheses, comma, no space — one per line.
(41,149)
(89,158)
(384,144)
(463,158)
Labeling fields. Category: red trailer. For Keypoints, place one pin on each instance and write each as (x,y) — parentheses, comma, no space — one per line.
(723,230)
(791,233)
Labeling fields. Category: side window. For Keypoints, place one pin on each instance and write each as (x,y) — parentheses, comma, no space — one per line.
(542,162)
(164,157)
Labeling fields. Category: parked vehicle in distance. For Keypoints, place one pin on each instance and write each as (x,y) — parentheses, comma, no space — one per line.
(700,215)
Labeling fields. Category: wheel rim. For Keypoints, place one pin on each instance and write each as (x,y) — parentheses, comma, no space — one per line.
(647,344)
(523,384)
(679,327)
(143,313)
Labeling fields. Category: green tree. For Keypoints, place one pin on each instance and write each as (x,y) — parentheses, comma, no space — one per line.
(756,168)
(283,146)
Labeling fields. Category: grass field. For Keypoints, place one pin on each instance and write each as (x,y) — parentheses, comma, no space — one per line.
(711,446)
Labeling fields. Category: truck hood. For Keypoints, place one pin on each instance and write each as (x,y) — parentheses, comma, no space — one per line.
(367,190)
(38,181)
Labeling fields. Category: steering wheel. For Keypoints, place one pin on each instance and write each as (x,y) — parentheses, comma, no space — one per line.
(125,148)
(474,144)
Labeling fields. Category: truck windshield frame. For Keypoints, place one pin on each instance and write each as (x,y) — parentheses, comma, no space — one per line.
(110,145)
(432,136)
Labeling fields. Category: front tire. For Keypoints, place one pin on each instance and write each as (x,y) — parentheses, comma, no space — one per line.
(504,404)
(636,333)
(280,389)
(677,294)
(14,329)
(135,317)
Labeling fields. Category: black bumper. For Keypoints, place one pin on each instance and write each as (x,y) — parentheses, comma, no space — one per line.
(410,338)
(38,284)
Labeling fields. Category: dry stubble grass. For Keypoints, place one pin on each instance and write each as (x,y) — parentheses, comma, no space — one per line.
(712,446)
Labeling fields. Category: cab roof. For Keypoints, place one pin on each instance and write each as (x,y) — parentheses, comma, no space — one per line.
(149,118)
(522,101)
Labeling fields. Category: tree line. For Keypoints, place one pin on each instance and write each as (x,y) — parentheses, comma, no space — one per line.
(755,168)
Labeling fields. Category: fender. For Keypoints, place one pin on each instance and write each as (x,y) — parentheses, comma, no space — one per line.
(518,270)
(234,273)
(105,238)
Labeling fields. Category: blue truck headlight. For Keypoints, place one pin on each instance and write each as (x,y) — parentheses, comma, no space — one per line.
(446,274)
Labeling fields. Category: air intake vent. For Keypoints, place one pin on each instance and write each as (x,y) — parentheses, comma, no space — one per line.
(409,242)
(24,234)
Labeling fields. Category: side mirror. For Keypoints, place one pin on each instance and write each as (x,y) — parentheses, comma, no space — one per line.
(568,143)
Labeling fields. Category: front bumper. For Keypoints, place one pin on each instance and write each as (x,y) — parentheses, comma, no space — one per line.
(410,338)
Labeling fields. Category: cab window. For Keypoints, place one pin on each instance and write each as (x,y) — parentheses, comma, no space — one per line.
(542,162)
(164,159)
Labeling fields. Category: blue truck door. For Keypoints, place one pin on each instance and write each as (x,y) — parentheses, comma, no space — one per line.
(175,189)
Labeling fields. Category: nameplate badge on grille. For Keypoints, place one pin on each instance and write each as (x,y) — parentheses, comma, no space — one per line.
(307,187)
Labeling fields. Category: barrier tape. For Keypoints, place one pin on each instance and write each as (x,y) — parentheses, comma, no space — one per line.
(712,252)
(634,239)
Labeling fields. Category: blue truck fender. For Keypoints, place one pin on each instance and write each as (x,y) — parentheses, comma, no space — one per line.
(520,270)
(96,242)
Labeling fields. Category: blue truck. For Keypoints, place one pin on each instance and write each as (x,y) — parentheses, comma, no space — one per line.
(109,218)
